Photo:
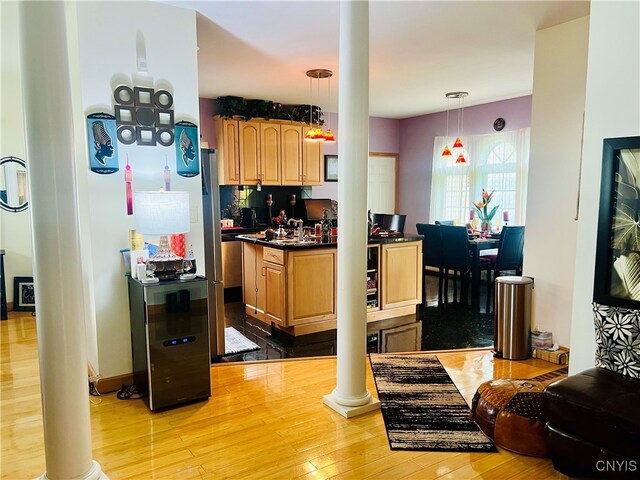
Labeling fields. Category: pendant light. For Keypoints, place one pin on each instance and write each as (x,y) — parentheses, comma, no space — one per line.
(316,134)
(458,143)
(329,137)
(445,151)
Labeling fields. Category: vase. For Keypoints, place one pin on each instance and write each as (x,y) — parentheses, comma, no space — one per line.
(485,226)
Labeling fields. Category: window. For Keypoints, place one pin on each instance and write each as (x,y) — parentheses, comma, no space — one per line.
(497,162)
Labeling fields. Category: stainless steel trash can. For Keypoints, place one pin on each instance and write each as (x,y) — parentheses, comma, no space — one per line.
(512,311)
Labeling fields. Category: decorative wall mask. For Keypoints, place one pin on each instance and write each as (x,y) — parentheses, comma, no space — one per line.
(144,116)
(187,158)
(103,149)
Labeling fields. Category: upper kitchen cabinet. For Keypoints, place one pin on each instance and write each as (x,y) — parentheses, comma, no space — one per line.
(267,152)
(227,150)
(292,139)
(312,167)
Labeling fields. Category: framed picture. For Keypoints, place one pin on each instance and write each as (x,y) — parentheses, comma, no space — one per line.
(330,168)
(617,270)
(24,298)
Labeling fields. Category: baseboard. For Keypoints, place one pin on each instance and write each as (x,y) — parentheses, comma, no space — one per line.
(113,384)
(9,306)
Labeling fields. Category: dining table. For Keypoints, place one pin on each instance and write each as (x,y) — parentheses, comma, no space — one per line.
(476,245)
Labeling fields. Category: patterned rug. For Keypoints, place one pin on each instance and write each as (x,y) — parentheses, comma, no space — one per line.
(422,408)
(235,342)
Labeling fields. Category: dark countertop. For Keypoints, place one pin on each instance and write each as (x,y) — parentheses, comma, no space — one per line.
(317,243)
(230,234)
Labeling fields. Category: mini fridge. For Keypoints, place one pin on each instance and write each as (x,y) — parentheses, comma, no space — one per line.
(170,341)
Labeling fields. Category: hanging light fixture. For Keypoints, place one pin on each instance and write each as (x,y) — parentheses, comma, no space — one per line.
(316,134)
(458,143)
(446,152)
(329,137)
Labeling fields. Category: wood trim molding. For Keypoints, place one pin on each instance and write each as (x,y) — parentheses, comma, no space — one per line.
(113,384)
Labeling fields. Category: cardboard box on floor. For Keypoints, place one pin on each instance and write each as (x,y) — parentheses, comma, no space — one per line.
(559,357)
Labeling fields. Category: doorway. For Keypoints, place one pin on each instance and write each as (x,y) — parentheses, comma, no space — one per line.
(382,194)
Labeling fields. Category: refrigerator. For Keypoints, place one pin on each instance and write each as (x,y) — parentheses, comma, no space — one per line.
(213,250)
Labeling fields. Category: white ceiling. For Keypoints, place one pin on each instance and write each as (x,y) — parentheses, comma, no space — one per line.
(419,50)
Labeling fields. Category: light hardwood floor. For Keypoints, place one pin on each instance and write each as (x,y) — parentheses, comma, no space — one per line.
(263,420)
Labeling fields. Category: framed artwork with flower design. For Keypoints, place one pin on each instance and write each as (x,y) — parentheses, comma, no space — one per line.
(617,270)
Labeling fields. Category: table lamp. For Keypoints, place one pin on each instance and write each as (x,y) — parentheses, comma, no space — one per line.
(163,213)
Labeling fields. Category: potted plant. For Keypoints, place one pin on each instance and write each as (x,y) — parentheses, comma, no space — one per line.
(484,214)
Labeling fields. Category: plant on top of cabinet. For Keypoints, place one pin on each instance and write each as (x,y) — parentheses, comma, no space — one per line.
(231,106)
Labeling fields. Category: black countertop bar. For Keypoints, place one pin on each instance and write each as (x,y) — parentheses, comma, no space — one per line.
(290,244)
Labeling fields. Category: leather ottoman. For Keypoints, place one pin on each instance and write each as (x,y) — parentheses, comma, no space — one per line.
(509,411)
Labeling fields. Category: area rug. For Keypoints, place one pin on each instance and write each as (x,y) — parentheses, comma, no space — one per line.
(422,408)
(235,342)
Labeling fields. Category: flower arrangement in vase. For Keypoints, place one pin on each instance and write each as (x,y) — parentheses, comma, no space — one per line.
(484,214)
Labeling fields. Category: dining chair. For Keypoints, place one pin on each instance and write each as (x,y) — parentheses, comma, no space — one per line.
(457,257)
(510,251)
(432,255)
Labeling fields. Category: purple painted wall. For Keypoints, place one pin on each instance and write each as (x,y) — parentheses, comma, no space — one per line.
(412,138)
(416,148)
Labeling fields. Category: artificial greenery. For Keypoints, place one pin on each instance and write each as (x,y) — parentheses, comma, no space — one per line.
(231,106)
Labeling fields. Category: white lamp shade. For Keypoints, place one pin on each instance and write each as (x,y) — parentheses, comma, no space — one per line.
(162,213)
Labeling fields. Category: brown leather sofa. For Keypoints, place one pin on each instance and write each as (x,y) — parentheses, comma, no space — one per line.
(594,424)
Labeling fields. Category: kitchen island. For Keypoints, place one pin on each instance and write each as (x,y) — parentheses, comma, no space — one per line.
(292,284)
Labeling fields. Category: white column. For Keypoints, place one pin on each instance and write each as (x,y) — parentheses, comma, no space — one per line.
(57,263)
(350,396)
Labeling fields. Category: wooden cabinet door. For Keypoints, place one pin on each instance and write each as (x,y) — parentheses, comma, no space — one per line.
(231,264)
(249,141)
(291,144)
(227,150)
(270,153)
(275,293)
(401,273)
(253,282)
(311,286)
(313,167)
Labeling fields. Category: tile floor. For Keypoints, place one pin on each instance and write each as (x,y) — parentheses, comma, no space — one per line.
(450,325)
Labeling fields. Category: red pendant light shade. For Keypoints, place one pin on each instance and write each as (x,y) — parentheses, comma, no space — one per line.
(461,159)
(329,137)
(458,143)
(446,152)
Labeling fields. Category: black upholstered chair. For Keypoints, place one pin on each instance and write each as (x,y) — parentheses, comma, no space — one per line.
(455,242)
(432,255)
(510,251)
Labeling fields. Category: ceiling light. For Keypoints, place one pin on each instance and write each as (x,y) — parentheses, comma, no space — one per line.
(316,134)
(458,143)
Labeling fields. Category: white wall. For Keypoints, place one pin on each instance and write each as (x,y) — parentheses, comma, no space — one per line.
(612,109)
(107,58)
(15,231)
(559,82)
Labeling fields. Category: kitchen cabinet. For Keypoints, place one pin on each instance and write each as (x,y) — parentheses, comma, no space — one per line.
(401,274)
(253,280)
(270,153)
(267,152)
(249,141)
(296,287)
(312,165)
(227,150)
(231,264)
(292,137)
